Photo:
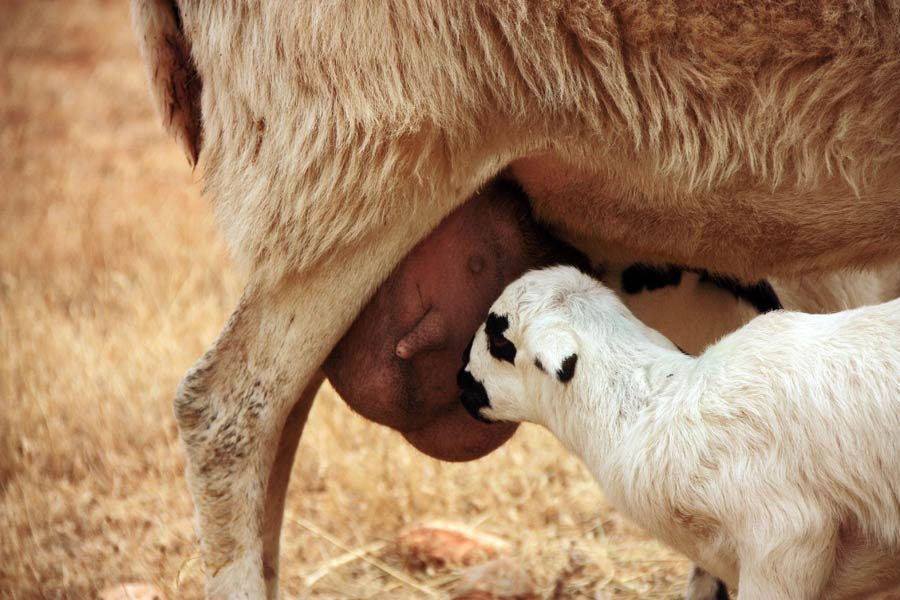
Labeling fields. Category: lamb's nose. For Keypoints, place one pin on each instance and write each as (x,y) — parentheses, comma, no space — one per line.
(473,397)
(467,352)
(464,379)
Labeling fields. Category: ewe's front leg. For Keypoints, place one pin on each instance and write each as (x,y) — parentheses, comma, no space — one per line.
(231,409)
(234,404)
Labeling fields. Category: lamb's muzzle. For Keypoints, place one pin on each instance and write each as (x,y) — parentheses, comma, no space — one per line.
(473,395)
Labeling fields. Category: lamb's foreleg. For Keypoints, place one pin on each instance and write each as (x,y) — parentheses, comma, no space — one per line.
(792,564)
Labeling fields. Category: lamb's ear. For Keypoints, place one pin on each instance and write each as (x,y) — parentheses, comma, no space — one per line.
(174,83)
(555,351)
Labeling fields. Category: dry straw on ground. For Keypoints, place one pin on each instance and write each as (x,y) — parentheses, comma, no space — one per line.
(113,279)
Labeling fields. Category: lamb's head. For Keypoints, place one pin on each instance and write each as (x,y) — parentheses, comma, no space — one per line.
(526,353)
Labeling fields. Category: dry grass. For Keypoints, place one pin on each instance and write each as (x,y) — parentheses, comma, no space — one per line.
(113,279)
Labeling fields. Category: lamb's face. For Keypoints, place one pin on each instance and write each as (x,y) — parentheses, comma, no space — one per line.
(524,353)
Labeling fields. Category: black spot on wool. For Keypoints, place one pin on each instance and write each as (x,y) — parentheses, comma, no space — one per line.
(566,371)
(639,277)
(759,295)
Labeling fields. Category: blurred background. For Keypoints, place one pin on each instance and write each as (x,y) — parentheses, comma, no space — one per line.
(113,281)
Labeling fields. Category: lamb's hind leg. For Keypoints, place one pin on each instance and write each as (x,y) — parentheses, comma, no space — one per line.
(233,405)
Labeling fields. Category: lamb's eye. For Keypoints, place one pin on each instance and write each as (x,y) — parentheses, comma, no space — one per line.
(501,348)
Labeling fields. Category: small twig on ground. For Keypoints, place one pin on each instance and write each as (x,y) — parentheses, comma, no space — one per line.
(327,566)
(311,527)
(195,557)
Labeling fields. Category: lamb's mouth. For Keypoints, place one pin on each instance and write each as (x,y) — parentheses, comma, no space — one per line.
(473,397)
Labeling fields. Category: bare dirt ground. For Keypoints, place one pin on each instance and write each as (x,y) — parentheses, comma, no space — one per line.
(113,280)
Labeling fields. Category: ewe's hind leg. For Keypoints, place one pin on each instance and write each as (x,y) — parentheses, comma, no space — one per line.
(279,478)
(233,405)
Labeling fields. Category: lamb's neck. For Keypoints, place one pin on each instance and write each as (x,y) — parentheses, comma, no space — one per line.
(620,381)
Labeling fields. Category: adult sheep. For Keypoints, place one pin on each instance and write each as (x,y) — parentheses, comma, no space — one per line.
(743,139)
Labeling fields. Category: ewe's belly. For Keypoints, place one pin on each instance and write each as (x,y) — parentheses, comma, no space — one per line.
(629,212)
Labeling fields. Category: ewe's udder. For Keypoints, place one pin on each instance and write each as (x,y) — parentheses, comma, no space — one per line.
(433,302)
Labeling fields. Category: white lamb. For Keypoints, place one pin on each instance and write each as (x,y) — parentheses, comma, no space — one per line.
(772,460)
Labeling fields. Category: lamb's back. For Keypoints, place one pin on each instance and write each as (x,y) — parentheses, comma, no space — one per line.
(812,404)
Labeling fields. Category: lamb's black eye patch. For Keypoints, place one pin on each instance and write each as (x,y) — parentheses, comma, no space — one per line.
(498,345)
(639,277)
(496,324)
